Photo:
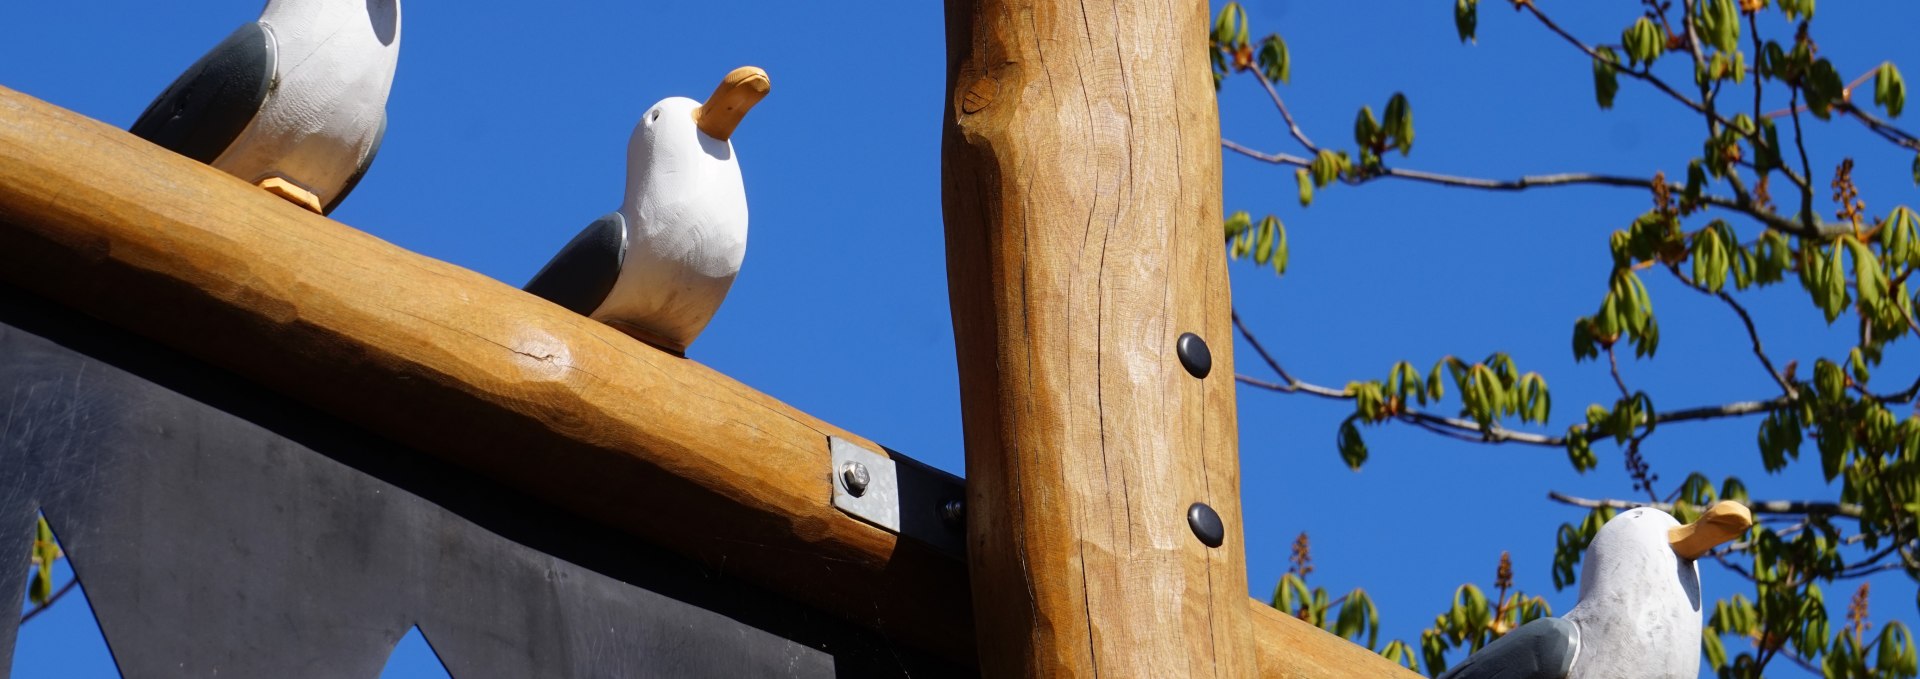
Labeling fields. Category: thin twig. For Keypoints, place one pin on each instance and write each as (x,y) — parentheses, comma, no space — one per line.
(1745,206)
(1782,507)
(1886,130)
(1800,140)
(1494,433)
(1752,333)
(1699,64)
(1292,127)
(1753,30)
(1613,366)
(1646,75)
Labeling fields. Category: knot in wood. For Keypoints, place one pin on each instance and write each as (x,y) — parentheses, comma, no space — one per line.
(979,95)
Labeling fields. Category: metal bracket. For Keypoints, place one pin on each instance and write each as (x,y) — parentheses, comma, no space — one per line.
(878,502)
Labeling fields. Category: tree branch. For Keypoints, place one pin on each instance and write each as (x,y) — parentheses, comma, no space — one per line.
(1292,127)
(1782,507)
(1886,130)
(1772,220)
(1752,333)
(1468,429)
(1646,75)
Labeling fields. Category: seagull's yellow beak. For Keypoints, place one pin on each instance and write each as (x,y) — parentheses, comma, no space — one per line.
(1722,522)
(737,93)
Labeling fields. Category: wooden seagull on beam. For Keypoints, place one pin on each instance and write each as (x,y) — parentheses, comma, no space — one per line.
(295,102)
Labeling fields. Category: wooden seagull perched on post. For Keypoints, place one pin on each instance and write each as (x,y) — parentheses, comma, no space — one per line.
(1639,610)
(295,102)
(659,267)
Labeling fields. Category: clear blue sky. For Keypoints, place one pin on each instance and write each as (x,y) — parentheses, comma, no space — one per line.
(508,123)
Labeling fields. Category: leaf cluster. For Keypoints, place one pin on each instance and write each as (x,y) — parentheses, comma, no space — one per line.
(1488,391)
(1265,242)
(1855,270)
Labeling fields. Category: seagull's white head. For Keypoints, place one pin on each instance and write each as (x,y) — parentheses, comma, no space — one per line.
(681,167)
(1644,546)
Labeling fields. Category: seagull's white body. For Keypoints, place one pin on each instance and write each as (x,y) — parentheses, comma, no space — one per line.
(334,68)
(686,228)
(1639,611)
(659,267)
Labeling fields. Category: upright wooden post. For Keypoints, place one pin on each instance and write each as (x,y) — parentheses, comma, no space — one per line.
(1082,196)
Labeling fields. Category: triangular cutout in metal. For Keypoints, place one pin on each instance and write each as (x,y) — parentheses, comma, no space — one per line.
(413,658)
(59,636)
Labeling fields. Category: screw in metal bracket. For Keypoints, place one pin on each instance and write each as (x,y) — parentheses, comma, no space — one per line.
(854,476)
(954,513)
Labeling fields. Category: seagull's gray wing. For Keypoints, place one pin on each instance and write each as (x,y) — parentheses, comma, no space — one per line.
(584,271)
(1542,649)
(361,171)
(207,108)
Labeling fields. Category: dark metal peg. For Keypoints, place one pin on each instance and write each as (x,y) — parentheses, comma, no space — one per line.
(1194,354)
(1206,525)
(954,514)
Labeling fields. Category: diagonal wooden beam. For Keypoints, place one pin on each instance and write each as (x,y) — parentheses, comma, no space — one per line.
(461,366)
(456,364)
(1081,181)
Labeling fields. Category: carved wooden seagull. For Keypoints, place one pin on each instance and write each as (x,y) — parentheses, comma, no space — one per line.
(295,103)
(1639,610)
(659,267)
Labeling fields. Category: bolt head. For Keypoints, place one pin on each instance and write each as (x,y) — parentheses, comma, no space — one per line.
(954,513)
(1206,525)
(1194,354)
(855,478)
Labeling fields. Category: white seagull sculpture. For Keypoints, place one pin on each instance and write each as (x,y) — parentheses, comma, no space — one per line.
(659,267)
(1639,610)
(295,103)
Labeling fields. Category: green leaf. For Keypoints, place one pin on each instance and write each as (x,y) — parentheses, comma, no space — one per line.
(1832,282)
(1889,90)
(1579,450)
(1230,27)
(1353,449)
(1275,63)
(1719,22)
(1795,9)
(1366,130)
(1280,255)
(1824,87)
(1585,346)
(1398,123)
(1644,41)
(1466,18)
(1306,186)
(1870,279)
(1716,654)
(1709,256)
(1606,81)
(1328,166)
(1896,657)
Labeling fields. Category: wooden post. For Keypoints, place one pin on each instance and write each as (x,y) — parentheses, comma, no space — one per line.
(1082,196)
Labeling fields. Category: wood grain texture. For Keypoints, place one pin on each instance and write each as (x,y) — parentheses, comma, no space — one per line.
(1289,648)
(1082,196)
(455,364)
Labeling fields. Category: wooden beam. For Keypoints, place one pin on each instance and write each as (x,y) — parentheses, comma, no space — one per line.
(1082,195)
(476,372)
(1287,647)
(455,364)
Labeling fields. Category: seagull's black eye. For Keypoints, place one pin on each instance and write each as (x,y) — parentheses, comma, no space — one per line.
(655,115)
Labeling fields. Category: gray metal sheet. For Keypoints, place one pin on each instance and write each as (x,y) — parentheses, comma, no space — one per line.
(221,530)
